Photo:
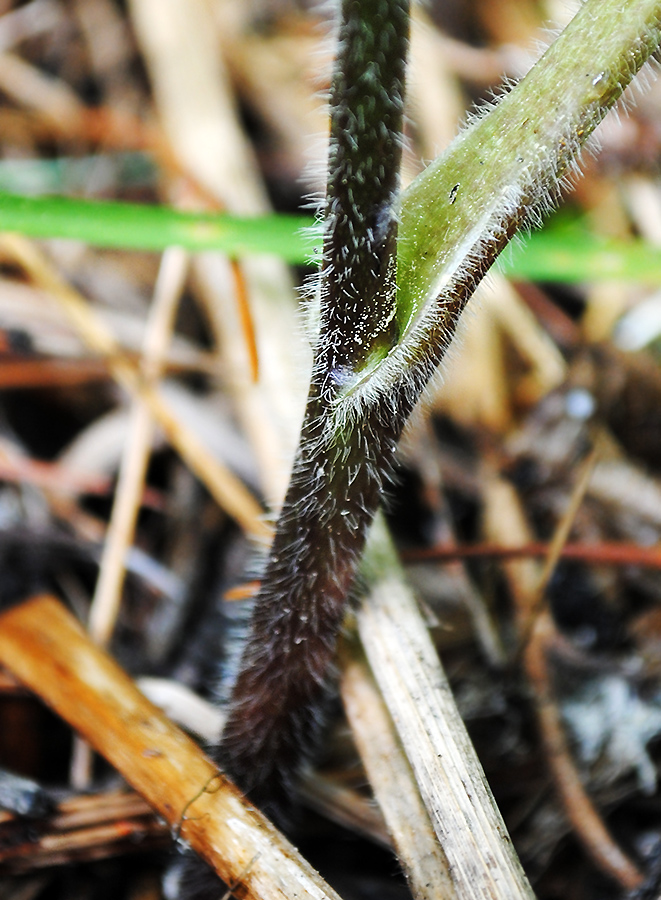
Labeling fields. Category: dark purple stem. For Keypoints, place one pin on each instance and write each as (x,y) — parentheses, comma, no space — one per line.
(285,679)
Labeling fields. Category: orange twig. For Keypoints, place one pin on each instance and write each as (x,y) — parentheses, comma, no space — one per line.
(246,317)
(537,634)
(604,553)
(83,828)
(20,372)
(579,809)
(46,648)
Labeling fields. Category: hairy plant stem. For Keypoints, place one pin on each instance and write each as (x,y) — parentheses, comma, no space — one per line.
(504,173)
(376,348)
(276,709)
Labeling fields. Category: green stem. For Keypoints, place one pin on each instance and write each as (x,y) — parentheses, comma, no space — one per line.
(502,173)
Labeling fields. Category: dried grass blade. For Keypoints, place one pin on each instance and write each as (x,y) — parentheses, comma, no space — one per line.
(452,784)
(228,491)
(48,651)
(394,786)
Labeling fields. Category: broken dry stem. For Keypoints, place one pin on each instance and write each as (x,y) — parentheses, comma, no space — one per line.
(135,458)
(48,651)
(482,861)
(395,789)
(346,806)
(505,520)
(584,817)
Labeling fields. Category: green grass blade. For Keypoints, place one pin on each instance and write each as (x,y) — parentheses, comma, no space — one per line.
(575,255)
(132,226)
(568,253)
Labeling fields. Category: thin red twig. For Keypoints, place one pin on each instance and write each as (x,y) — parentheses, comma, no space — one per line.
(604,553)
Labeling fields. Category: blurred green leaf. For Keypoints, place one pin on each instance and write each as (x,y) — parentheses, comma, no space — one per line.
(137,227)
(571,253)
(564,251)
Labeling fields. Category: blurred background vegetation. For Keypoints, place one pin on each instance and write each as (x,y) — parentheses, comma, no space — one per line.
(214,108)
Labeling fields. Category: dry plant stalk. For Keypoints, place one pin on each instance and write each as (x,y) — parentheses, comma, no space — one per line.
(86,828)
(208,138)
(132,472)
(347,807)
(579,808)
(468,824)
(137,450)
(230,493)
(394,786)
(47,650)
(505,520)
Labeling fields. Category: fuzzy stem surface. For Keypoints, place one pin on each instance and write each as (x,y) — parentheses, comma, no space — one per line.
(371,363)
(276,709)
(503,173)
